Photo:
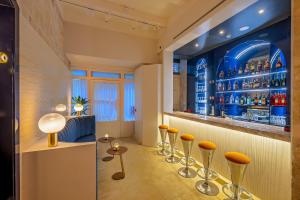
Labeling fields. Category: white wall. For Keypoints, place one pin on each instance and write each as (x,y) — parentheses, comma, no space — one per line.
(100,43)
(44,82)
(148,104)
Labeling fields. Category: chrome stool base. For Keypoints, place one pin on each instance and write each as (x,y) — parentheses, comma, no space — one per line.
(190,163)
(212,175)
(163,152)
(172,159)
(207,188)
(160,144)
(187,172)
(243,193)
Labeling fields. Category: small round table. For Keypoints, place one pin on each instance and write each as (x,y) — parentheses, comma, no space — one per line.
(121,150)
(107,140)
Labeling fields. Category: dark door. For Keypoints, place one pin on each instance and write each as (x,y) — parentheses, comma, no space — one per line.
(9,161)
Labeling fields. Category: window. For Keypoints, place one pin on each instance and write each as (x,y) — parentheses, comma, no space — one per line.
(79,73)
(80,88)
(106,75)
(106,99)
(129,101)
(129,76)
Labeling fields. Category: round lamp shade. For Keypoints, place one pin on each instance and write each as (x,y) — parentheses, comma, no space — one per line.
(52,123)
(61,108)
(78,107)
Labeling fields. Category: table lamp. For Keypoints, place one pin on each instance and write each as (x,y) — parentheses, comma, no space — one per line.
(61,108)
(51,124)
(78,108)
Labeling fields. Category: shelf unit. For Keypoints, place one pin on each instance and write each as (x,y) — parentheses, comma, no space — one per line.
(251,84)
(201,87)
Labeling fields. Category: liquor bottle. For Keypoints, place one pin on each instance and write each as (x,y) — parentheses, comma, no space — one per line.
(276,99)
(249,100)
(235,85)
(227,99)
(260,100)
(223,86)
(283,80)
(244,84)
(267,65)
(229,73)
(279,63)
(259,66)
(231,100)
(283,99)
(234,71)
(240,72)
(252,68)
(237,100)
(277,81)
(242,100)
(221,75)
(256,100)
(268,100)
(263,100)
(246,70)
(229,86)
(264,83)
(272,84)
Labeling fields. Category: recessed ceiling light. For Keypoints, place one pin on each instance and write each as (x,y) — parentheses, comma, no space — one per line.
(221,32)
(196,45)
(261,11)
(244,28)
(228,36)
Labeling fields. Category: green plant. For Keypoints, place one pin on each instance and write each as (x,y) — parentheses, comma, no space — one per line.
(82,101)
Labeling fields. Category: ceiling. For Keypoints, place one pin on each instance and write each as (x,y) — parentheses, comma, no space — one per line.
(145,18)
(256,16)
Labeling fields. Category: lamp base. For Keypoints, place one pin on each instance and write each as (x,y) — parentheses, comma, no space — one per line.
(52,140)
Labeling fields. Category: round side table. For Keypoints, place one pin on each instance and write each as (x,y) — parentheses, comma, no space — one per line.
(107,140)
(121,150)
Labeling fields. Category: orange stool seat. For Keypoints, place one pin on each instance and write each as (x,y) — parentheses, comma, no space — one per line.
(208,145)
(237,157)
(173,130)
(163,126)
(187,137)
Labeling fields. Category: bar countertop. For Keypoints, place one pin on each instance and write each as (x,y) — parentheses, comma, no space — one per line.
(264,130)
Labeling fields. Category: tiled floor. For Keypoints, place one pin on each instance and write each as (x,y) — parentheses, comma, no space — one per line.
(148,177)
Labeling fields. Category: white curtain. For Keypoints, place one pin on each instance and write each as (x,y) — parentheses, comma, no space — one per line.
(80,88)
(106,96)
(129,101)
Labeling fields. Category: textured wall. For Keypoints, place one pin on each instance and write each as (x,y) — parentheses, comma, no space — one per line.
(45,18)
(44,81)
(269,173)
(296,101)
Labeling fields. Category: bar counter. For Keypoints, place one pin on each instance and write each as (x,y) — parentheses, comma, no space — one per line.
(264,130)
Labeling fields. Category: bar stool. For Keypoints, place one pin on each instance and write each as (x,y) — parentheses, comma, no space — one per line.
(163,134)
(237,163)
(207,149)
(187,142)
(172,133)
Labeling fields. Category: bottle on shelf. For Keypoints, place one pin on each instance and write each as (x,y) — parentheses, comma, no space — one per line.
(229,85)
(279,63)
(252,68)
(242,100)
(234,71)
(283,99)
(249,100)
(229,73)
(259,67)
(247,69)
(240,72)
(231,100)
(283,80)
(267,65)
(237,100)
(277,82)
(256,100)
(244,84)
(263,100)
(235,85)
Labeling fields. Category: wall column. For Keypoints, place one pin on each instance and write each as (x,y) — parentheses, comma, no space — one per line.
(167,81)
(295,134)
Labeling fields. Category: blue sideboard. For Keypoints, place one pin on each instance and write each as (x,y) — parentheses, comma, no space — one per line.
(79,129)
